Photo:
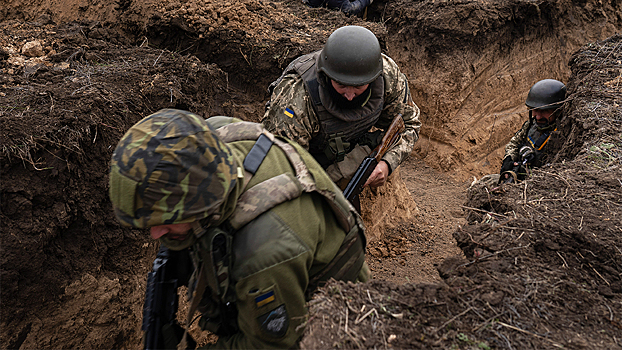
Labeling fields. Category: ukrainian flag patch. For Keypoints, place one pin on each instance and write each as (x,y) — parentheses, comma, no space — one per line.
(265,299)
(288,112)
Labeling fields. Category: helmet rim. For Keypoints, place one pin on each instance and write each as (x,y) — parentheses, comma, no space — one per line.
(546,94)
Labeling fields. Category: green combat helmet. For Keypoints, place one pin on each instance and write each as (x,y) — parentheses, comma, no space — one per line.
(351,56)
(170,168)
(546,94)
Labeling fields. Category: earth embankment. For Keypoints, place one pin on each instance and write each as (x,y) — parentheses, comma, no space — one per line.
(72,277)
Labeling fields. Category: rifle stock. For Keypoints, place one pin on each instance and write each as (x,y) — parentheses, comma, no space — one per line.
(367,166)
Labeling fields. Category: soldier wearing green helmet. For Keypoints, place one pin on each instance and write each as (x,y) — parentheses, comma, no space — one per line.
(260,220)
(329,101)
(527,148)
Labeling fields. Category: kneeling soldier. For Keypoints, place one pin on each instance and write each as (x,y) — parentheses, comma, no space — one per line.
(262,223)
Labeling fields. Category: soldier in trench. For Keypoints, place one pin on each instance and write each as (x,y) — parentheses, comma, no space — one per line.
(262,224)
(528,147)
(337,101)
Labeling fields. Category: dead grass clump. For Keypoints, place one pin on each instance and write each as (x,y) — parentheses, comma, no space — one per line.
(596,92)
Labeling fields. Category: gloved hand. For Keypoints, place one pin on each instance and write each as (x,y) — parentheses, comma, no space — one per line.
(507,165)
(527,154)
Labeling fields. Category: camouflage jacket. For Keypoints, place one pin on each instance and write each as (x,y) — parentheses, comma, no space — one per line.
(290,113)
(279,249)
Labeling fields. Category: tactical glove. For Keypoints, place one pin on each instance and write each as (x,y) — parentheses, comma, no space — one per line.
(527,154)
(507,165)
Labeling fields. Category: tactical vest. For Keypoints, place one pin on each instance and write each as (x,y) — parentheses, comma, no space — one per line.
(537,139)
(213,247)
(340,129)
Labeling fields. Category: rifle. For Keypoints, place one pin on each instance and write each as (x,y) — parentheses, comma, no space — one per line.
(367,166)
(170,271)
(519,171)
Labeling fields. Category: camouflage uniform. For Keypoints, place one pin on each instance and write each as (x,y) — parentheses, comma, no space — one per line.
(291,114)
(535,137)
(288,222)
(528,135)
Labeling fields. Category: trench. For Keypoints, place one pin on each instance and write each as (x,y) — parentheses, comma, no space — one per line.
(469,76)
(469,67)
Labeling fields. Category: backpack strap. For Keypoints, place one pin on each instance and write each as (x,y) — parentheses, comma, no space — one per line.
(281,188)
(257,154)
(263,197)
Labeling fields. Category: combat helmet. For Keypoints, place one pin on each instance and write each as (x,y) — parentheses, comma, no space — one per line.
(351,56)
(546,94)
(170,168)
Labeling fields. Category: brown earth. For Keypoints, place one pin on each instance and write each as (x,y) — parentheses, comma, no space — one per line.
(530,266)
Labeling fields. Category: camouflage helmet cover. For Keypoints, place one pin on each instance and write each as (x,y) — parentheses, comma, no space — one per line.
(351,56)
(546,94)
(169,168)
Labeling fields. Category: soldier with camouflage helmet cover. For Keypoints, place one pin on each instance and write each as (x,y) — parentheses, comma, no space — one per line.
(263,224)
(330,101)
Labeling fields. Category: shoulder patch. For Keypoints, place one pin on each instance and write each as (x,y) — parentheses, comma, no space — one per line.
(275,322)
(288,112)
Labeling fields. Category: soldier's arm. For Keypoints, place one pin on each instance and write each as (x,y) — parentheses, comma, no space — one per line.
(290,113)
(516,142)
(276,253)
(269,315)
(398,100)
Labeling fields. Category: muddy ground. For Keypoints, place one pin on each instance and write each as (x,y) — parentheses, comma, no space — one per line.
(530,266)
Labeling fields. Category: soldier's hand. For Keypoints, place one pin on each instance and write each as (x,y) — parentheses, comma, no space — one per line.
(507,165)
(379,176)
(527,154)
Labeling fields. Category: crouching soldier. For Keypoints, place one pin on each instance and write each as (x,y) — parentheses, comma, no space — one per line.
(528,147)
(260,222)
(336,102)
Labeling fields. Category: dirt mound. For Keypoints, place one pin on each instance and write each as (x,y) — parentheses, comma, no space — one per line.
(71,276)
(544,257)
(61,119)
(74,76)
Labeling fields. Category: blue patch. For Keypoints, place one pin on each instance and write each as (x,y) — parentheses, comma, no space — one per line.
(288,112)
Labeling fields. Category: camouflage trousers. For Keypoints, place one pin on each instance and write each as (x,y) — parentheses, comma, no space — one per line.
(342,172)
